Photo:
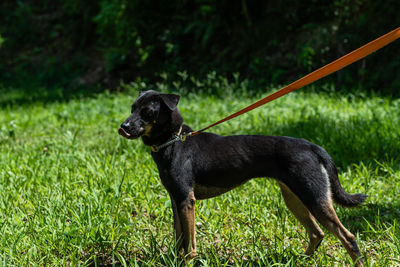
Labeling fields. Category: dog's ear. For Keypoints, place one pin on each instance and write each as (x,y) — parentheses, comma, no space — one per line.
(142,93)
(171,100)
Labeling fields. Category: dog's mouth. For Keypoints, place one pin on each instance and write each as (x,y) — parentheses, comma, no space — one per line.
(125,134)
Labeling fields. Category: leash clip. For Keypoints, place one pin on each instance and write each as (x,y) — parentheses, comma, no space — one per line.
(182,137)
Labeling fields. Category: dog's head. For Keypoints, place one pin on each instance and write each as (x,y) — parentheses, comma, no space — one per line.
(152,114)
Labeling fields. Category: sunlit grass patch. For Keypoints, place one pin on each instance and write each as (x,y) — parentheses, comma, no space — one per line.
(73,192)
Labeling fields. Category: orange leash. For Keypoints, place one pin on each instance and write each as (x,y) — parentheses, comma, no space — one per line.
(316,75)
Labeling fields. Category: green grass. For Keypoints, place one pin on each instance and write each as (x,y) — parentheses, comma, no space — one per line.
(73,192)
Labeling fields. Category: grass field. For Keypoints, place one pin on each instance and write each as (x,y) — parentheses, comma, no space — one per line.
(73,192)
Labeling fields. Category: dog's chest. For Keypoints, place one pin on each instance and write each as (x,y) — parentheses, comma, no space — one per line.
(203,192)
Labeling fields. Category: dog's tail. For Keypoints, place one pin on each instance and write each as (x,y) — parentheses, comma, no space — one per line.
(339,195)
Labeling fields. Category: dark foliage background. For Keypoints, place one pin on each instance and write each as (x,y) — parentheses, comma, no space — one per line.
(84,42)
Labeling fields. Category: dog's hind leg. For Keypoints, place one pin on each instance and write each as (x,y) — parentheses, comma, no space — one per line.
(326,215)
(305,217)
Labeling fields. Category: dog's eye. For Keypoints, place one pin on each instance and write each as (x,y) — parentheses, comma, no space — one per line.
(146,114)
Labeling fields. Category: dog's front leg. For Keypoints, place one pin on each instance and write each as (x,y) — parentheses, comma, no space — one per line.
(177,225)
(186,211)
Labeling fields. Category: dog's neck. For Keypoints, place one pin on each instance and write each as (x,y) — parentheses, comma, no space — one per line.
(161,135)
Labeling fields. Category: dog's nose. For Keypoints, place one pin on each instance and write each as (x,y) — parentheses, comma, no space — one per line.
(124,129)
(125,125)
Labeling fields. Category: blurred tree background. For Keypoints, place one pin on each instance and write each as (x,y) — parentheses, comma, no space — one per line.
(72,43)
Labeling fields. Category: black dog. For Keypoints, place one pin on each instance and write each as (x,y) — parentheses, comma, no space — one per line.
(207,165)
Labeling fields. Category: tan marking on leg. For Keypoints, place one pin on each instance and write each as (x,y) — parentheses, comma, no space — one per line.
(328,194)
(186,214)
(329,219)
(304,216)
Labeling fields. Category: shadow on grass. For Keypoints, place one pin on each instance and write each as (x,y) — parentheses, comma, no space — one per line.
(349,141)
(371,217)
(12,96)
